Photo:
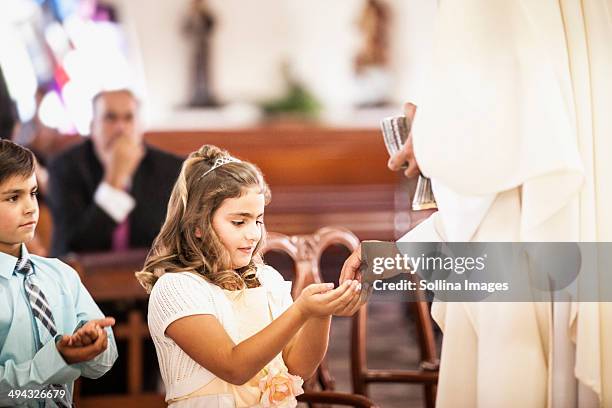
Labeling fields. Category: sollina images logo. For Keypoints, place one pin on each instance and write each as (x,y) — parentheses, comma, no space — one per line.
(487,271)
(434,262)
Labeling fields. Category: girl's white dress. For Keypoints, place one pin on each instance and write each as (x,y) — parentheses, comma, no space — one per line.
(241,313)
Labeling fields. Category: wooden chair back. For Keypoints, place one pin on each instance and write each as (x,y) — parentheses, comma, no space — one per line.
(306,252)
(426,374)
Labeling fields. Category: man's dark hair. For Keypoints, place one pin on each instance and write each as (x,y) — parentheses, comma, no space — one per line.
(15,160)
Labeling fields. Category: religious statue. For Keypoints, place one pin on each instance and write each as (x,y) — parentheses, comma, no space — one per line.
(199,26)
(371,62)
(373,25)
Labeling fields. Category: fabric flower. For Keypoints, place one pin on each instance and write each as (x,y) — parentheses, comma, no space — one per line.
(279,388)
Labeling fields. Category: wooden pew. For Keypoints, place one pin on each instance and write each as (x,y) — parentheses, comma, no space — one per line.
(110,277)
(318,175)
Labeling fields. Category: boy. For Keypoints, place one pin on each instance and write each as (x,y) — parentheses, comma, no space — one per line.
(41,301)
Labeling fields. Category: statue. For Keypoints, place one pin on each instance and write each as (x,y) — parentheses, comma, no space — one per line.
(371,62)
(199,26)
(374,25)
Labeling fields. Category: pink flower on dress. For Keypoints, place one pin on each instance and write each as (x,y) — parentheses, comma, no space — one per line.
(279,388)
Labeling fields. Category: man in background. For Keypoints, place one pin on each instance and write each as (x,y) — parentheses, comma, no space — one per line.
(110,191)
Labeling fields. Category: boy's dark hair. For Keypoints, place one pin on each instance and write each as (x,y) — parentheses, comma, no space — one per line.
(15,160)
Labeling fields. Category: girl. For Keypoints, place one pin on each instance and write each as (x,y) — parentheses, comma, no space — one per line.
(226,331)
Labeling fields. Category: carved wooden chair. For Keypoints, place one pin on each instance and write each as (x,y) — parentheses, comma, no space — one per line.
(426,374)
(306,251)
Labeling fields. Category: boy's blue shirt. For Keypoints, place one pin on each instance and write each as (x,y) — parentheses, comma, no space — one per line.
(21,365)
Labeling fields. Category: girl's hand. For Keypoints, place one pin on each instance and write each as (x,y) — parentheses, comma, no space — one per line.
(353,303)
(318,299)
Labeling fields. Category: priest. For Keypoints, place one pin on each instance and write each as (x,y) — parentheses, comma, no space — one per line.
(515,132)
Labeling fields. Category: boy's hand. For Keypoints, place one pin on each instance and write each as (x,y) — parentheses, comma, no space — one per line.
(88,333)
(78,354)
(87,342)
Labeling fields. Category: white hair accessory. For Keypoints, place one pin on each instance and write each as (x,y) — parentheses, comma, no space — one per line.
(220,162)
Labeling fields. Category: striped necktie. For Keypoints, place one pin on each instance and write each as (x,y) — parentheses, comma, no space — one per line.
(38,301)
(41,311)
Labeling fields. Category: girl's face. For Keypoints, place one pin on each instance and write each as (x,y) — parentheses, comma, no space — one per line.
(238,223)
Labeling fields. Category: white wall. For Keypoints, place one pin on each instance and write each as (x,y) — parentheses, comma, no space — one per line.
(412,35)
(253,38)
(154,28)
(324,40)
(250,43)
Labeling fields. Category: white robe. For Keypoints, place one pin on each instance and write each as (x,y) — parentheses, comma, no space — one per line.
(515,131)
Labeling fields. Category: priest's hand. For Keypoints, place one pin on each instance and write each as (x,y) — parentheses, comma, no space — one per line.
(350,269)
(406,153)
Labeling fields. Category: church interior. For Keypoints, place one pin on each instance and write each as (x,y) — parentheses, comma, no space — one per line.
(300,91)
(154,134)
